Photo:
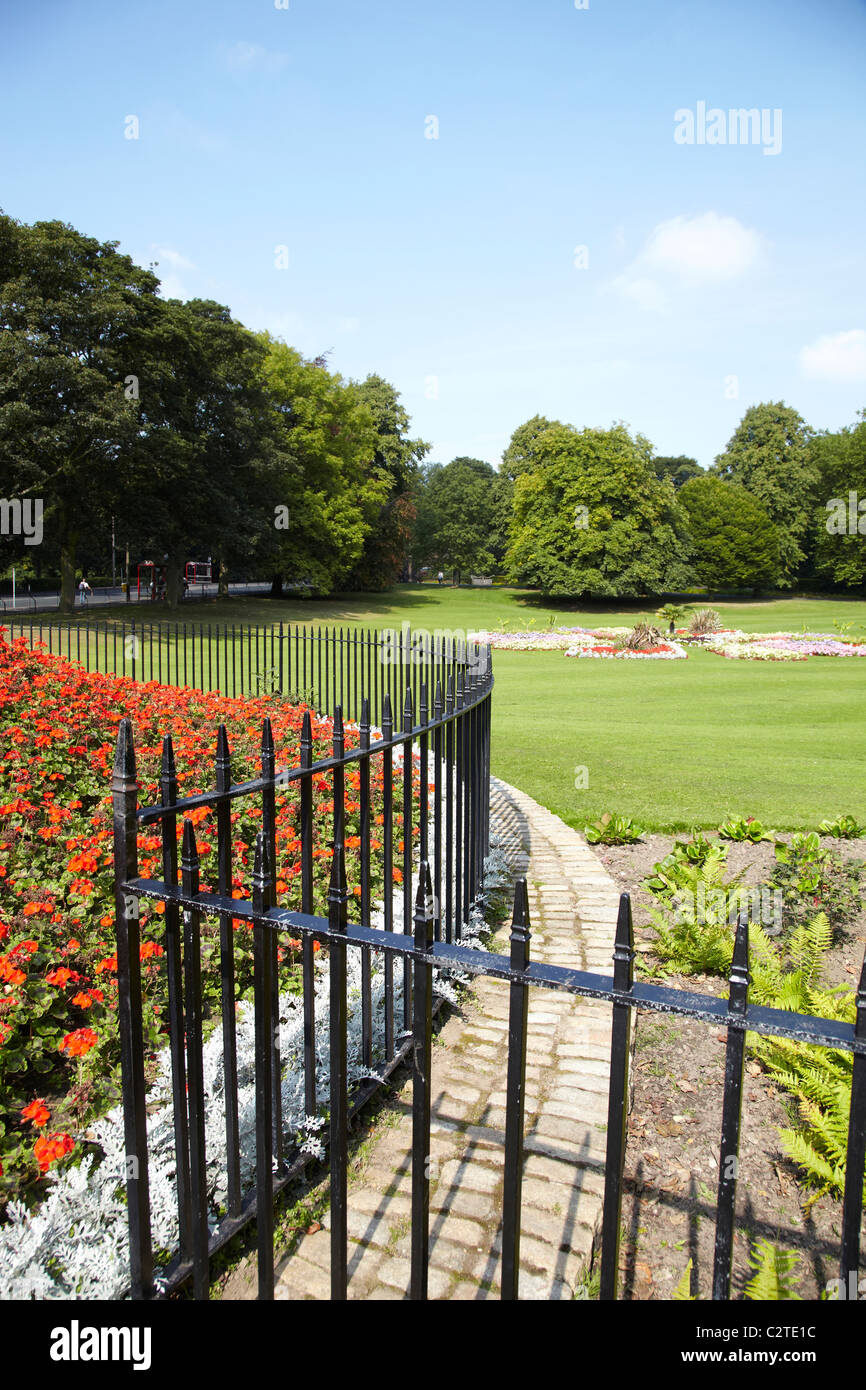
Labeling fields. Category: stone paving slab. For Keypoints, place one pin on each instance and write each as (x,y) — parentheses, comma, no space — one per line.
(573,905)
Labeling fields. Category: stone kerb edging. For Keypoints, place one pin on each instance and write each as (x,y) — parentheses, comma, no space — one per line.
(573,908)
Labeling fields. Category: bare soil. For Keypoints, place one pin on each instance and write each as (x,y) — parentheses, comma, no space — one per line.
(672,1154)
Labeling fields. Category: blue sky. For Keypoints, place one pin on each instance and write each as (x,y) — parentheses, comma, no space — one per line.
(713,275)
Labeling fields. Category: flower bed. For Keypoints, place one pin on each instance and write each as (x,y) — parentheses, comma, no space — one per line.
(59,1045)
(780,646)
(662,651)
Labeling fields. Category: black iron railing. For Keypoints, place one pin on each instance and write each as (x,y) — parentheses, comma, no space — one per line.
(320,666)
(453,841)
(450,745)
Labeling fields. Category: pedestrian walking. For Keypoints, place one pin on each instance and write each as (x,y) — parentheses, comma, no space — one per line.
(84,592)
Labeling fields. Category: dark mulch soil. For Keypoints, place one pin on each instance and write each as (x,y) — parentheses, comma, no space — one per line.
(672,1156)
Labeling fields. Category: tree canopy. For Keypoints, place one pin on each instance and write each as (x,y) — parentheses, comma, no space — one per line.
(768,454)
(736,545)
(591,518)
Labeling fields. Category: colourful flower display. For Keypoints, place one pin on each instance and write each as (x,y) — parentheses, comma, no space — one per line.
(58,965)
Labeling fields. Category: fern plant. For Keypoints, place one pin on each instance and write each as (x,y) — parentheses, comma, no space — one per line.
(694,934)
(771,1282)
(818,1078)
(774,1269)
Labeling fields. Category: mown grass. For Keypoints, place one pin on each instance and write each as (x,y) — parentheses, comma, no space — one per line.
(669,743)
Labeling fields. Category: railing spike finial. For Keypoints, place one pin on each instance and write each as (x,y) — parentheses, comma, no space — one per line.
(387,718)
(739,976)
(408,710)
(437,701)
(189,850)
(364,722)
(623,949)
(124,775)
(267,740)
(306,731)
(338,891)
(168,772)
(423,916)
(520,933)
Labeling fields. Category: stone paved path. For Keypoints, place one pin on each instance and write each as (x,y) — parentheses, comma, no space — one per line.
(573,906)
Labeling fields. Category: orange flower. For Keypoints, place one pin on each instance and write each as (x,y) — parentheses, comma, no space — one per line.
(79,1043)
(83,1000)
(37,1111)
(61,976)
(48,1149)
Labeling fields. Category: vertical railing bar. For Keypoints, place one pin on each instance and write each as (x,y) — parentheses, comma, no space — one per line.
(306,759)
(518,1021)
(168,789)
(124,790)
(388,868)
(731,1112)
(195,1066)
(852,1201)
(422,1039)
(337,920)
(617,1106)
(408,720)
(366,959)
(227,974)
(263,882)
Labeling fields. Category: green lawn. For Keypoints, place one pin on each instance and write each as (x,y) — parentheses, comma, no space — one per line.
(670,743)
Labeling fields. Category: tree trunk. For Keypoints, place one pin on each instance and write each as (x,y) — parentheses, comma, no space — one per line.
(277,586)
(67,572)
(173,569)
(223,582)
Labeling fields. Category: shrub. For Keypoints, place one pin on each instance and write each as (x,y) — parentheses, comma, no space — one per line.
(613,830)
(842,828)
(705,621)
(812,879)
(738,828)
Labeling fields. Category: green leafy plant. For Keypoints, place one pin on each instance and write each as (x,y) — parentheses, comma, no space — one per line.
(819,1078)
(694,932)
(745,828)
(696,849)
(682,1293)
(812,879)
(613,830)
(705,621)
(842,828)
(772,1281)
(672,613)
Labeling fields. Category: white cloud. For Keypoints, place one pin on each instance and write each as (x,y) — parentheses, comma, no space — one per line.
(705,248)
(686,252)
(836,357)
(172,283)
(243,57)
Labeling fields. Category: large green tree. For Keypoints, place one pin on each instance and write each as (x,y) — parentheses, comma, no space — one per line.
(521,454)
(736,545)
(591,518)
(396,461)
(71,314)
(330,489)
(202,476)
(462,515)
(840,520)
(768,454)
